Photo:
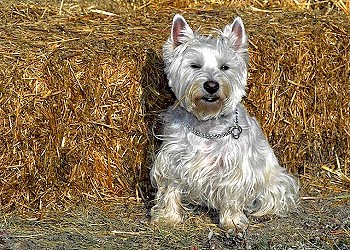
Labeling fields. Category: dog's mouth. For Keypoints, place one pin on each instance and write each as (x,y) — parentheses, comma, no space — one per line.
(210,98)
(207,106)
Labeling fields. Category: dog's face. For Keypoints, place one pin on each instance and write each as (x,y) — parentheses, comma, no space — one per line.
(207,74)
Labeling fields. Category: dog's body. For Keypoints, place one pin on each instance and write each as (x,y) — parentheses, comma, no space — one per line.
(213,153)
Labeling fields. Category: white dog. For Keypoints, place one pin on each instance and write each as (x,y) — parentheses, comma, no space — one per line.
(213,153)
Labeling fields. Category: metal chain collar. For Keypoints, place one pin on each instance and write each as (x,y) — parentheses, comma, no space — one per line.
(234,130)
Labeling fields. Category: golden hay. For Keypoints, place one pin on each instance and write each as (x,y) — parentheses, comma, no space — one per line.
(80,91)
(257,5)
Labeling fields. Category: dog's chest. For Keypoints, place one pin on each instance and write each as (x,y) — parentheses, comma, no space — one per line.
(207,168)
(196,160)
(206,160)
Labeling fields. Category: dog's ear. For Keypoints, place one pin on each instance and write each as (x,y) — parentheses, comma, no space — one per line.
(236,34)
(180,31)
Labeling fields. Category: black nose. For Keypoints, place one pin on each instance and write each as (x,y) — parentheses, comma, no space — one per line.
(211,87)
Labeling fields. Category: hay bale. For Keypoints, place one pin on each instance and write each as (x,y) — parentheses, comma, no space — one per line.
(300,75)
(71,110)
(80,93)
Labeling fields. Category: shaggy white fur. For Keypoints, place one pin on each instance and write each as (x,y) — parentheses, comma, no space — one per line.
(201,161)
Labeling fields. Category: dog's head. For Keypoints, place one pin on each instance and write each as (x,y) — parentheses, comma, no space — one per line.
(207,74)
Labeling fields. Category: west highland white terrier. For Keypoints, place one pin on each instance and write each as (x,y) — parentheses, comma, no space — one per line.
(213,152)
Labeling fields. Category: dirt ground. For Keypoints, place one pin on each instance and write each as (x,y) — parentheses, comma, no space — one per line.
(321,224)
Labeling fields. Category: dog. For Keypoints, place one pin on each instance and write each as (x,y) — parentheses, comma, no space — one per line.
(213,153)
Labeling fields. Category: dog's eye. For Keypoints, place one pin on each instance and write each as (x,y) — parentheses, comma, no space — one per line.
(224,67)
(195,66)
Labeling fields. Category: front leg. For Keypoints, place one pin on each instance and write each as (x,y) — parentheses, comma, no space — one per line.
(231,219)
(167,206)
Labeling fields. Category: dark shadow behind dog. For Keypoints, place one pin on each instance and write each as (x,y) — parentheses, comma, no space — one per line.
(156,97)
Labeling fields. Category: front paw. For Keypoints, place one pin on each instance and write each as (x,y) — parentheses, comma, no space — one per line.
(233,221)
(163,215)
